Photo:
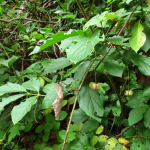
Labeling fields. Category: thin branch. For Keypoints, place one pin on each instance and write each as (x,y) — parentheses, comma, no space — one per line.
(68,127)
(119,33)
(83,12)
(123,131)
(11,20)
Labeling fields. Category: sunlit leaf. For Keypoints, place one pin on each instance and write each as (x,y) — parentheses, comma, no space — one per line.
(138,37)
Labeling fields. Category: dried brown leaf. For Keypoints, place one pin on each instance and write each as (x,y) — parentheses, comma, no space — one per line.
(57,104)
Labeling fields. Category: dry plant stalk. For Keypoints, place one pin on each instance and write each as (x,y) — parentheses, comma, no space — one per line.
(57,104)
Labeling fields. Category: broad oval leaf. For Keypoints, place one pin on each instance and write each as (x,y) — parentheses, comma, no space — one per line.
(136,114)
(20,110)
(57,64)
(113,68)
(90,102)
(138,37)
(81,47)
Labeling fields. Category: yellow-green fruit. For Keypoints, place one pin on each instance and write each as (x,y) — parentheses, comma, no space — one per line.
(92,85)
(128,93)
(98,86)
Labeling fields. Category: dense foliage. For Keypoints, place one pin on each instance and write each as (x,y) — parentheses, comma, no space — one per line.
(74,75)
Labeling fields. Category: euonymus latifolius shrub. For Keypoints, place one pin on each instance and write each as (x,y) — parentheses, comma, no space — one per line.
(74,75)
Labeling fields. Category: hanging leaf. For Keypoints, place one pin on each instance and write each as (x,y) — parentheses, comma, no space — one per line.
(113,68)
(57,104)
(138,37)
(20,110)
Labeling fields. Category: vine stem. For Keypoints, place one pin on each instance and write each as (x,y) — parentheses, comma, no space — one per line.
(68,127)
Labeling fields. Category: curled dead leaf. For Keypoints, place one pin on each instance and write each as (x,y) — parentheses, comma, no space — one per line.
(57,104)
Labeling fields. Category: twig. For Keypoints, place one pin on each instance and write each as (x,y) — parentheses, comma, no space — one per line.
(68,86)
(83,12)
(11,20)
(119,33)
(123,131)
(68,127)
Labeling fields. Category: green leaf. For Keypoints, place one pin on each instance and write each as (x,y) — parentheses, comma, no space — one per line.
(63,115)
(33,85)
(45,136)
(138,37)
(21,26)
(9,61)
(136,114)
(14,130)
(81,70)
(48,148)
(71,136)
(39,129)
(90,125)
(146,45)
(47,127)
(81,47)
(1,9)
(11,87)
(113,68)
(116,40)
(95,21)
(147,118)
(50,96)
(59,36)
(142,61)
(137,146)
(94,140)
(79,116)
(6,101)
(36,50)
(28,127)
(90,102)
(33,26)
(57,64)
(20,110)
